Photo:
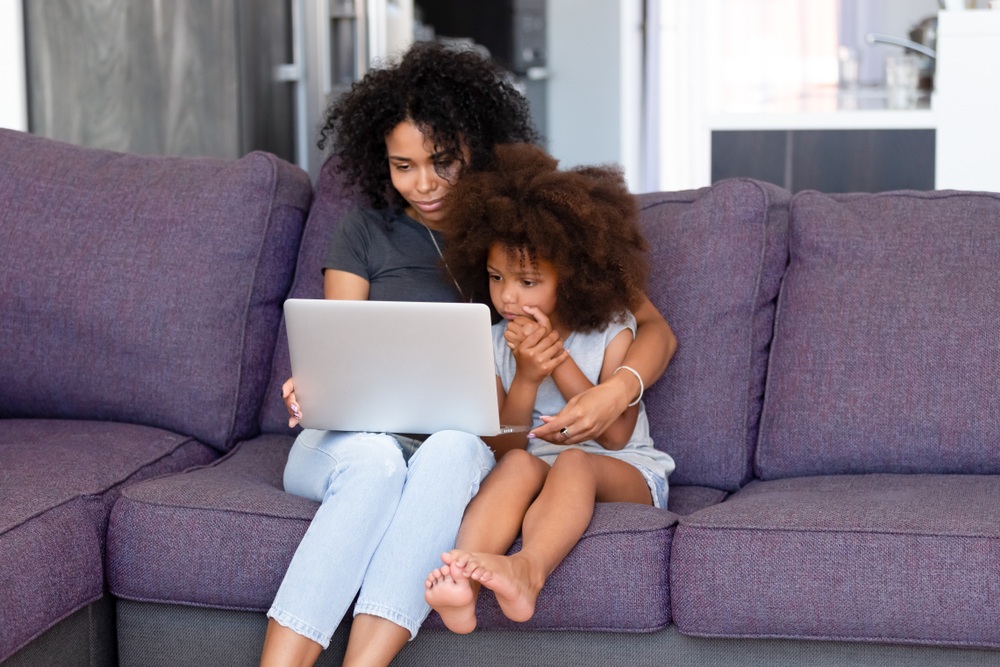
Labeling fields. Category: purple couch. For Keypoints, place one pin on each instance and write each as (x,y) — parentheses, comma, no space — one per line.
(832,409)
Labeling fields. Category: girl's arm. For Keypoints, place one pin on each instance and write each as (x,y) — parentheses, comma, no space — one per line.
(572,382)
(536,357)
(589,414)
(516,407)
(619,432)
(341,285)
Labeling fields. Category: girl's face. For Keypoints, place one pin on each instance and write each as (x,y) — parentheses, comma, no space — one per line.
(515,282)
(422,176)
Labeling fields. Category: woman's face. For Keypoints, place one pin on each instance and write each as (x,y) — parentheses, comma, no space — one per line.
(422,175)
(516,282)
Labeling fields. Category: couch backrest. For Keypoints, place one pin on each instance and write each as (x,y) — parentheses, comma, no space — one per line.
(886,355)
(717,258)
(331,202)
(143,289)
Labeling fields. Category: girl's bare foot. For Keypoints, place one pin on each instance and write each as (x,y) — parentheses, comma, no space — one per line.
(452,598)
(509,577)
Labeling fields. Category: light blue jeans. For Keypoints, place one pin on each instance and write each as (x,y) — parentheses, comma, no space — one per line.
(389,507)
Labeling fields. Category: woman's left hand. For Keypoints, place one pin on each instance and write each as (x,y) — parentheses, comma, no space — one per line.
(585,416)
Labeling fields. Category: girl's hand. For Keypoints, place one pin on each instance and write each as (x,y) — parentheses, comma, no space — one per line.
(541,351)
(517,329)
(288,393)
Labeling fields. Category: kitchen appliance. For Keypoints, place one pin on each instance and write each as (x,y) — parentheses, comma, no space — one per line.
(922,41)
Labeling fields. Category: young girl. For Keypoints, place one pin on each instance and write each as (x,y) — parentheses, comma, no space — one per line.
(563,248)
(389,504)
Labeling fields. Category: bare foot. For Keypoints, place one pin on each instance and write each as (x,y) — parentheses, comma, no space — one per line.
(452,598)
(509,577)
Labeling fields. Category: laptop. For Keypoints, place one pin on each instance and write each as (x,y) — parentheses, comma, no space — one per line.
(395,367)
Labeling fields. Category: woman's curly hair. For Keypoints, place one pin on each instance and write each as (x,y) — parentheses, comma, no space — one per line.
(454,95)
(583,221)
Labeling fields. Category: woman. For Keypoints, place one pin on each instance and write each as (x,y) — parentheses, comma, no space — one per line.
(389,503)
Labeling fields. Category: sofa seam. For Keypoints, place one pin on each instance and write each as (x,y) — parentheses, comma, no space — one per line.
(252,288)
(116,486)
(886,639)
(841,531)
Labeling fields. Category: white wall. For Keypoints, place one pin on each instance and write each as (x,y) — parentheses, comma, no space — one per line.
(14,98)
(595,80)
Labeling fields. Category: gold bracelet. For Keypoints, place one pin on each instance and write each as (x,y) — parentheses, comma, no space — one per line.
(638,377)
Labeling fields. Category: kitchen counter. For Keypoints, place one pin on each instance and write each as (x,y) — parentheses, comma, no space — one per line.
(822,108)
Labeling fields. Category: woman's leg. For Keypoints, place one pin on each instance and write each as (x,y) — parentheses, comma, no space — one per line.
(442,476)
(358,479)
(491,524)
(553,525)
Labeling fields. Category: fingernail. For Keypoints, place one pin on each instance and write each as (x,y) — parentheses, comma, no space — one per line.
(531,435)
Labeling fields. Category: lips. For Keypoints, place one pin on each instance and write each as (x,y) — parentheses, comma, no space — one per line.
(428,206)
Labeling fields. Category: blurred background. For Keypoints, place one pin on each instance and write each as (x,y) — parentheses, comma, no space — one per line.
(838,95)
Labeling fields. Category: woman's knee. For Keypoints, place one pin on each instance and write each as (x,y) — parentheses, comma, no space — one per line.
(456,449)
(316,462)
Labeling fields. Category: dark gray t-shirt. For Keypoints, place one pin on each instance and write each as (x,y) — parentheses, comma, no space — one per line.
(396,256)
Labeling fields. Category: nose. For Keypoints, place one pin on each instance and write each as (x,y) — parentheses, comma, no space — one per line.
(508,294)
(426,180)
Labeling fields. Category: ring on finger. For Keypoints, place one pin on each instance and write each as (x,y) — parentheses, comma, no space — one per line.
(565,432)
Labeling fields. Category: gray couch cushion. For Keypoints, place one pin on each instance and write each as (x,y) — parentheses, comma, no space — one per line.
(223,536)
(143,289)
(886,355)
(717,258)
(888,558)
(58,479)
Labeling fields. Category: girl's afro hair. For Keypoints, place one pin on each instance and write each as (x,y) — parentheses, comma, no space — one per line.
(583,221)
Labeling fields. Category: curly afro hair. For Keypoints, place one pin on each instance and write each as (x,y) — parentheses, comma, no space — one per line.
(454,95)
(583,221)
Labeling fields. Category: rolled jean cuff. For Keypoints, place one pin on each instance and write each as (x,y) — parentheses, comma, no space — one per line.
(391,615)
(297,626)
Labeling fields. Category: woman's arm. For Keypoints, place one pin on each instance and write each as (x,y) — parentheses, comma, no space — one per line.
(344,286)
(339,285)
(587,415)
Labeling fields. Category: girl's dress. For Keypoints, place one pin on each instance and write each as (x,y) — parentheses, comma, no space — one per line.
(587,350)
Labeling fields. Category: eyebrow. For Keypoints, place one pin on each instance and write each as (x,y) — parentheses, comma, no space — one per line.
(442,155)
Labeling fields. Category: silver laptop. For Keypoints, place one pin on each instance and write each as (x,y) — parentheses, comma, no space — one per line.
(389,366)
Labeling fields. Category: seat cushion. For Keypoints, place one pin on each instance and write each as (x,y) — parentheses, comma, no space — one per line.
(717,256)
(884,558)
(224,535)
(143,289)
(886,353)
(58,479)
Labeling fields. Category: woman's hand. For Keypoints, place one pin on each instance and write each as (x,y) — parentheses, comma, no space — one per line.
(588,415)
(288,393)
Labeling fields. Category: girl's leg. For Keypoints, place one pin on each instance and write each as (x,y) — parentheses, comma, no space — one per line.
(358,479)
(553,525)
(442,476)
(491,524)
